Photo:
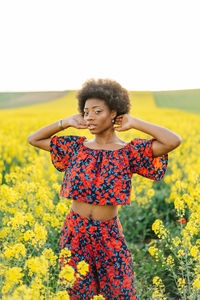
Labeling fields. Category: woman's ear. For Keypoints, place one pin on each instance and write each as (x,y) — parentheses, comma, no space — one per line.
(113,113)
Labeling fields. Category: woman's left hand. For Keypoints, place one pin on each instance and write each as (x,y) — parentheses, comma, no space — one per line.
(124,122)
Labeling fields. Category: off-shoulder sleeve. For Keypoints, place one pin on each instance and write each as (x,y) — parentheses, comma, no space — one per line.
(142,162)
(61,150)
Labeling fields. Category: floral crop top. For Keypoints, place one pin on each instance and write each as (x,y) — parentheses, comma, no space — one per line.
(103,177)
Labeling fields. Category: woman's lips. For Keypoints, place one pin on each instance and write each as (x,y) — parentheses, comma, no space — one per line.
(91,126)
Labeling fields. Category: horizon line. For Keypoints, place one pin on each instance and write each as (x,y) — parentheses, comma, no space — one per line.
(48,91)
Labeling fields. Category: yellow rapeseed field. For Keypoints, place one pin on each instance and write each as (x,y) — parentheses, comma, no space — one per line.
(32,212)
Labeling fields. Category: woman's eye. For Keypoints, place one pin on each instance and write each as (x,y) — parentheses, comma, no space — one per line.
(85,113)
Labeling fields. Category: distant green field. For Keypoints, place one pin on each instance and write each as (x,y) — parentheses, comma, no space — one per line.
(20,99)
(9,96)
(188,100)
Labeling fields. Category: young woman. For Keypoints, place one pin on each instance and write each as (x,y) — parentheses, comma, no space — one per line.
(97,178)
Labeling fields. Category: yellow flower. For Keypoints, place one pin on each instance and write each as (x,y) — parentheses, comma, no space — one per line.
(170,261)
(179,206)
(99,297)
(12,276)
(159,229)
(55,222)
(176,241)
(150,192)
(40,234)
(180,253)
(194,251)
(38,265)
(181,284)
(37,236)
(2,269)
(61,295)
(64,256)
(18,220)
(67,275)
(83,267)
(157,280)
(153,250)
(16,251)
(48,254)
(157,295)
(37,284)
(29,235)
(196,283)
(159,290)
(66,252)
(23,292)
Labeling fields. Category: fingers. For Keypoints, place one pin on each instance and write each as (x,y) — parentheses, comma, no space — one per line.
(118,120)
(82,124)
(118,128)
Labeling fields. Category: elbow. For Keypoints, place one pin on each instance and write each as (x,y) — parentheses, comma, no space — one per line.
(30,140)
(176,142)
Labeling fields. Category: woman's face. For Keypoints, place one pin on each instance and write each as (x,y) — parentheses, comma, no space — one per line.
(98,115)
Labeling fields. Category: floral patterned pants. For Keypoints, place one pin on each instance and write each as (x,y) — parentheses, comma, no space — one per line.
(100,244)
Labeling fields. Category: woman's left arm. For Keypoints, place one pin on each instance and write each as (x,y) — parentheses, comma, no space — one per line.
(166,140)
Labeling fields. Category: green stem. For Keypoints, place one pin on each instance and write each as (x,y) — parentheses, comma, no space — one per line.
(187,270)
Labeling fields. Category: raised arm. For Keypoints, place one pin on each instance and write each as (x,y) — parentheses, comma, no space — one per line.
(41,138)
(166,140)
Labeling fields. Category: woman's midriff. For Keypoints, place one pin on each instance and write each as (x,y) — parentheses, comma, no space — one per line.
(95,212)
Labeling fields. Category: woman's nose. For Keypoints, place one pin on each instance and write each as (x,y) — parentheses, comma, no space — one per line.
(89,116)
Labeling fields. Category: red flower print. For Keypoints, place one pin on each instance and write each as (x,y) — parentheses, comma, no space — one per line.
(182,220)
(157,163)
(103,178)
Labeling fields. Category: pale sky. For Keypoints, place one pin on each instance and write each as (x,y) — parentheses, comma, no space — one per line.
(59,44)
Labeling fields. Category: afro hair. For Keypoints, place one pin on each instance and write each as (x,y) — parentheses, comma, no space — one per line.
(114,95)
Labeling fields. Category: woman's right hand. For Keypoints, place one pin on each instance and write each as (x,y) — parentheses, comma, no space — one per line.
(76,121)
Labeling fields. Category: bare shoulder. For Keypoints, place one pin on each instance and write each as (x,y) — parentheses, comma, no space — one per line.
(123,143)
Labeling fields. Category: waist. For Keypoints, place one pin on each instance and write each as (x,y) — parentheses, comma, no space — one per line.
(95,212)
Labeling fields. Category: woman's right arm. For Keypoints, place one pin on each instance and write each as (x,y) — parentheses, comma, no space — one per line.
(41,138)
